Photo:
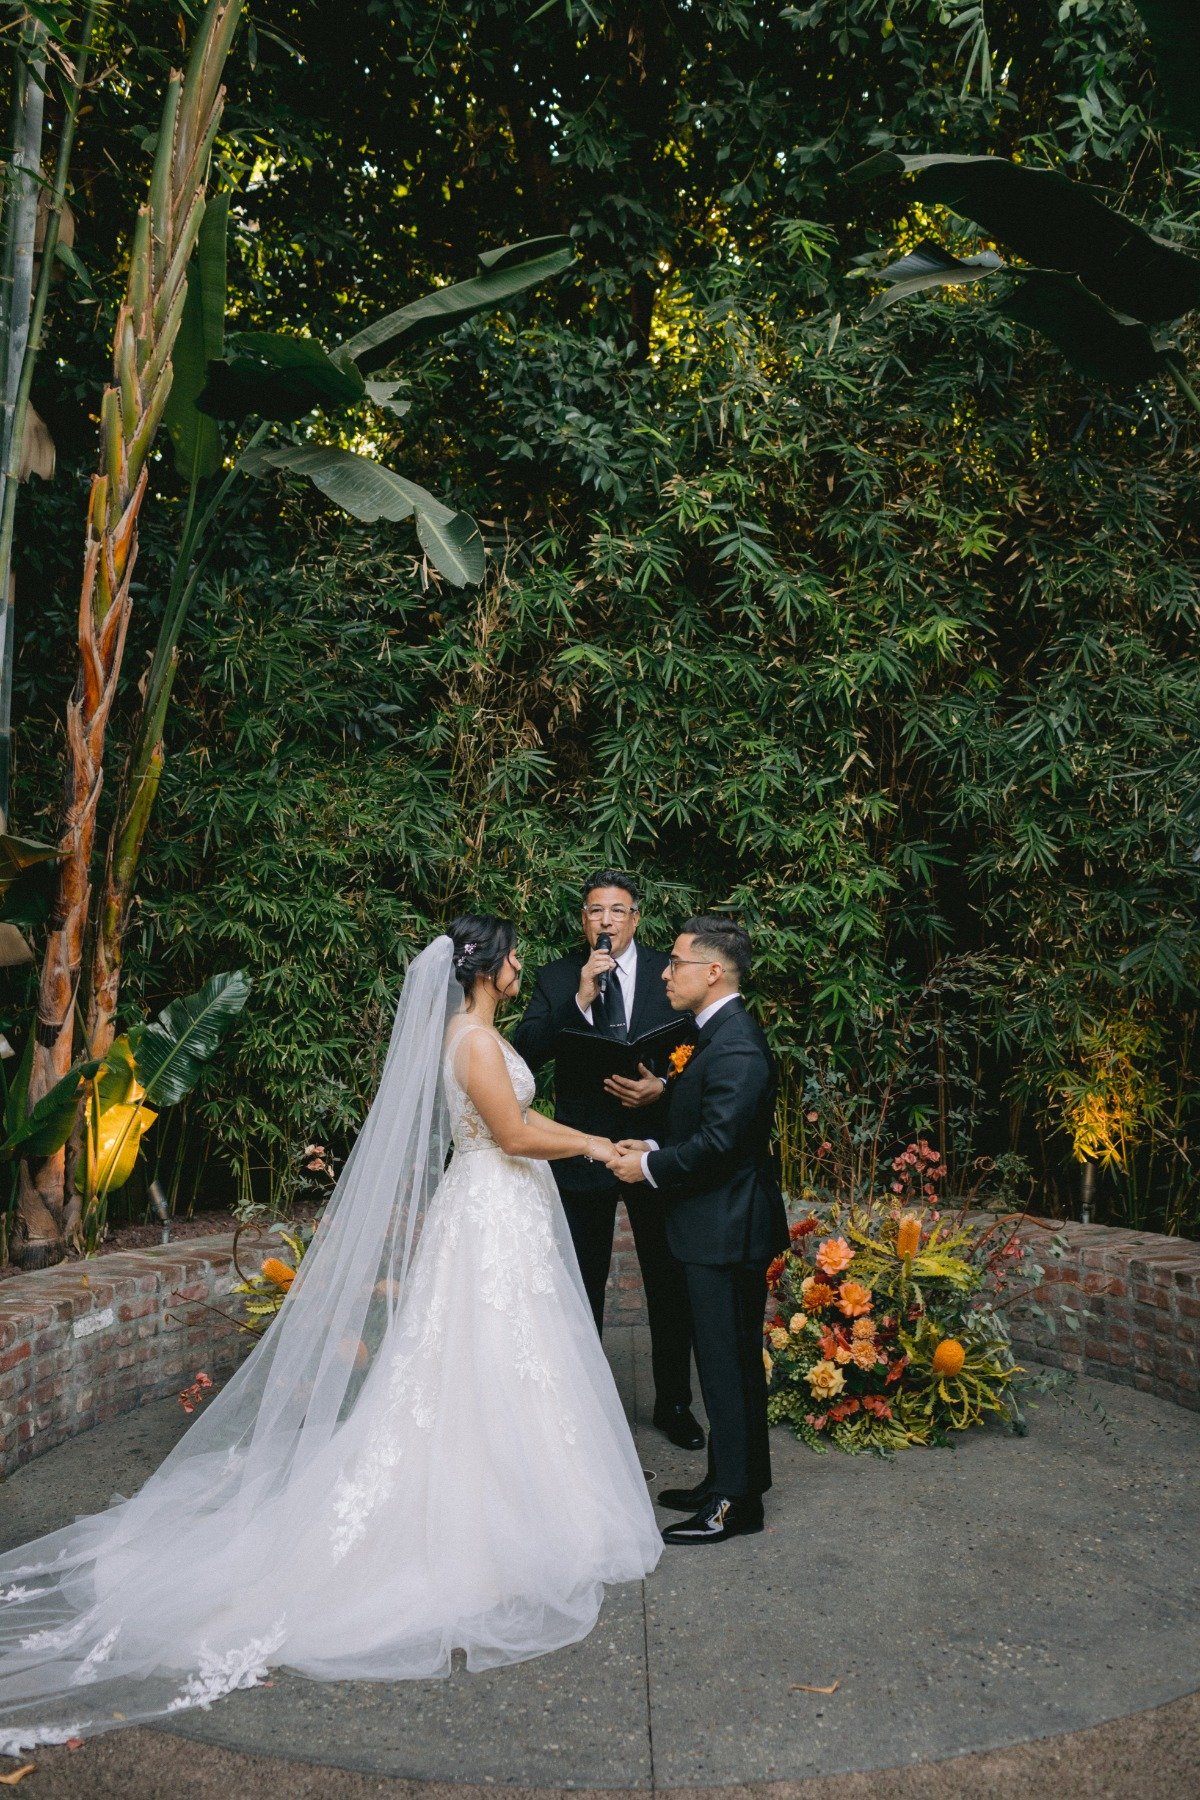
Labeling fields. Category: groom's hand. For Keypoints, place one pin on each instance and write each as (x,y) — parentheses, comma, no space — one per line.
(628,1163)
(642,1091)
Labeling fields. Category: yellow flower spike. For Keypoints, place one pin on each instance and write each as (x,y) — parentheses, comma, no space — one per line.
(908,1235)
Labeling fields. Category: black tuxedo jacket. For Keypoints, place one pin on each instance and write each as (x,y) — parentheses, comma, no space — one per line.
(716,1168)
(552,1008)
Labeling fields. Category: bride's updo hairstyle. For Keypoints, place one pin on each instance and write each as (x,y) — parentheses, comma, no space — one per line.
(481,943)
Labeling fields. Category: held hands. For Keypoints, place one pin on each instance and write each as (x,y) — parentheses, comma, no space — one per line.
(597,964)
(627,1159)
(644,1091)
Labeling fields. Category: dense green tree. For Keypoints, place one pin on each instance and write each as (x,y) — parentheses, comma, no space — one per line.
(880,632)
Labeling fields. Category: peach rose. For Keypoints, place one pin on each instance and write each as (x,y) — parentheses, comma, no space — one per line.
(854,1299)
(834,1255)
(825,1379)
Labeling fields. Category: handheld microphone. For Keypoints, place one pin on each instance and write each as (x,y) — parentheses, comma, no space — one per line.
(603,942)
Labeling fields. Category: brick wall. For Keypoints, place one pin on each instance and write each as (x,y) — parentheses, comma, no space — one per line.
(1136,1297)
(87,1340)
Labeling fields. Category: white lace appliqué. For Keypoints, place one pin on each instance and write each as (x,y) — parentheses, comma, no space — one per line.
(99,1653)
(221,1673)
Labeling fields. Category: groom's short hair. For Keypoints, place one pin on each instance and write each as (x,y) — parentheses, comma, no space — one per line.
(602,878)
(722,939)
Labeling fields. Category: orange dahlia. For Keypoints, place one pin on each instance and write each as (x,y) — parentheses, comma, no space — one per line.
(863,1353)
(863,1328)
(854,1299)
(815,1294)
(834,1255)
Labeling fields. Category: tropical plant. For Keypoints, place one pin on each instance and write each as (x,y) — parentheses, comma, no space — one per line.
(130,413)
(152,1065)
(277,378)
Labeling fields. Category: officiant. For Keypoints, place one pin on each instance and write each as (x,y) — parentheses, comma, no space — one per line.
(618,992)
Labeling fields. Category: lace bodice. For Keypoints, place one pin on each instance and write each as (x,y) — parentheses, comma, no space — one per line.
(470,1132)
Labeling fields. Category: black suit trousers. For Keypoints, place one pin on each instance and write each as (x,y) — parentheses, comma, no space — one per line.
(728,1303)
(592,1220)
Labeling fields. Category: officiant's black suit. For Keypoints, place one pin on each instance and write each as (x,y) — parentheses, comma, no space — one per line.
(716,1176)
(589,1192)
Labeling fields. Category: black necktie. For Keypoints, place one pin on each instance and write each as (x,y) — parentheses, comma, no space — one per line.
(611,1009)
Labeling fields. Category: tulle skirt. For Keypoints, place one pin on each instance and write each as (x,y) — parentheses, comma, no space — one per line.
(479,1494)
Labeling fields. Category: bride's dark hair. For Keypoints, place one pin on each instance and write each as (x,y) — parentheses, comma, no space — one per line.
(481,943)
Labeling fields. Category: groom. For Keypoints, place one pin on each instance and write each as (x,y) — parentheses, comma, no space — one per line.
(715,1173)
(568,996)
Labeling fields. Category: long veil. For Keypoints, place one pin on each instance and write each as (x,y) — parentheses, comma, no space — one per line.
(179,1594)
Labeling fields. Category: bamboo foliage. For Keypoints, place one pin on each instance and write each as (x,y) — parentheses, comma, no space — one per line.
(130,413)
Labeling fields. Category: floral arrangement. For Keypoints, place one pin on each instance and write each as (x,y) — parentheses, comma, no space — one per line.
(679,1058)
(888,1326)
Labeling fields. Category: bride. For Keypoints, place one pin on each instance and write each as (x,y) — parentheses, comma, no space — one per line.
(425,1453)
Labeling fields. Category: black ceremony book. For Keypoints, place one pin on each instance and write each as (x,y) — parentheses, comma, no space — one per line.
(586,1058)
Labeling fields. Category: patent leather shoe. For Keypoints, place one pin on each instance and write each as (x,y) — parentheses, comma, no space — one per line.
(717,1520)
(680,1425)
(684,1499)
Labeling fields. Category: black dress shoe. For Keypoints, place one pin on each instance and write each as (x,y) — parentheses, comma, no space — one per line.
(717,1520)
(684,1499)
(679,1424)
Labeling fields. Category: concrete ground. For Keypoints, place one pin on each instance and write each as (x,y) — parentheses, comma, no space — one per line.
(974,1606)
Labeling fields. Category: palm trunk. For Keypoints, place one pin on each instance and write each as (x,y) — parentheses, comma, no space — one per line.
(130,412)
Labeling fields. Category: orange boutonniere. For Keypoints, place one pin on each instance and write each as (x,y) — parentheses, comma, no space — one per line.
(680,1057)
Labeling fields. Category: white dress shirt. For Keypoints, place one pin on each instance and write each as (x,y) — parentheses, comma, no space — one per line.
(702,1018)
(626,973)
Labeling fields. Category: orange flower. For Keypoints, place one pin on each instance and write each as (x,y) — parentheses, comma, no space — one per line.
(863,1328)
(776,1270)
(278,1273)
(779,1338)
(845,1409)
(815,1294)
(864,1353)
(834,1255)
(896,1370)
(854,1299)
(949,1357)
(908,1235)
(875,1403)
(680,1057)
(797,1322)
(801,1228)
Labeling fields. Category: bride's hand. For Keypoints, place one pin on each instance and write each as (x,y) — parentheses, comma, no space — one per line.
(602,1150)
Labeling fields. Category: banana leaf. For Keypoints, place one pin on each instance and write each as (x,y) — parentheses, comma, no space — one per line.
(368,491)
(507,271)
(1058,225)
(46,1127)
(279,377)
(1098,345)
(930,266)
(195,435)
(169,1055)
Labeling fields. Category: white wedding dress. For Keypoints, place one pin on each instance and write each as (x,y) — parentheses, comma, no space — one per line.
(431,1456)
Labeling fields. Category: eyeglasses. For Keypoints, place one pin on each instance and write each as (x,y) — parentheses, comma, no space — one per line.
(619,913)
(701,962)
